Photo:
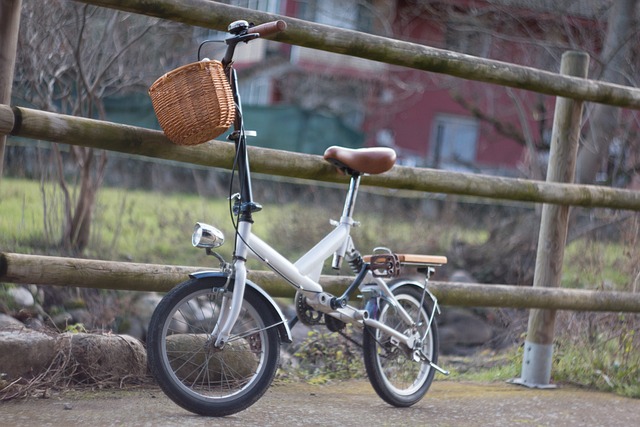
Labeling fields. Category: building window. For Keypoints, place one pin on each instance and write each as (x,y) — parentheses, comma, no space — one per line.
(256,91)
(454,141)
(465,39)
(349,14)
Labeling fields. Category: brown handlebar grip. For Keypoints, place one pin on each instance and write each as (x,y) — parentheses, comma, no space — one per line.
(268,28)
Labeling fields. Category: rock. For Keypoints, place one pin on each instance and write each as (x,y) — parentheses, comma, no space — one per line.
(87,358)
(37,293)
(21,296)
(35,324)
(136,324)
(462,331)
(25,353)
(8,322)
(145,305)
(104,357)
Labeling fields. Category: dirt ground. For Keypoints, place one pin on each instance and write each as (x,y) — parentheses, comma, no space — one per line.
(352,403)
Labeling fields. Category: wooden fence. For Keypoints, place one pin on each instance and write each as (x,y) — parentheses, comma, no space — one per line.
(217,16)
(146,142)
(62,271)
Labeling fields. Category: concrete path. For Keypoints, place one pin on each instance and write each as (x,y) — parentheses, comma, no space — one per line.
(352,403)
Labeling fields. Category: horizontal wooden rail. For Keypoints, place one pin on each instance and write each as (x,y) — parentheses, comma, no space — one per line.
(57,271)
(214,15)
(145,142)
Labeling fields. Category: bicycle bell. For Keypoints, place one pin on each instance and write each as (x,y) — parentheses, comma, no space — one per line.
(238,27)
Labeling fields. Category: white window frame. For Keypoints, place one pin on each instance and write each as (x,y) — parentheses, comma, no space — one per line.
(454,142)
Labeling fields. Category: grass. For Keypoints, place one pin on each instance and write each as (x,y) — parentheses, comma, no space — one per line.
(601,352)
(128,225)
(484,366)
(153,227)
(597,265)
(607,360)
(20,223)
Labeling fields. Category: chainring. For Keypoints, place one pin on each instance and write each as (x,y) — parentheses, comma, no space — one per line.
(307,314)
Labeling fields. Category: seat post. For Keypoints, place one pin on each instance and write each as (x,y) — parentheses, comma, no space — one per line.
(347,218)
(350,200)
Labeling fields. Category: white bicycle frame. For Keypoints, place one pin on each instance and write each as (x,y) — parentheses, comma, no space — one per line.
(304,275)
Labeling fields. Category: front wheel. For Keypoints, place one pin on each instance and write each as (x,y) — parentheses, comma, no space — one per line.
(397,378)
(190,370)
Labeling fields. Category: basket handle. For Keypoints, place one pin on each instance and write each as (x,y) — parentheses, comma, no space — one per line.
(268,28)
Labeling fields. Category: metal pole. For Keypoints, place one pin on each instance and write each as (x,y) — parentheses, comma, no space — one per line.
(538,347)
(9,28)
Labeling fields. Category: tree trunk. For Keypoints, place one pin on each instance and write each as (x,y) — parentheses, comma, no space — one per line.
(9,25)
(603,120)
(78,228)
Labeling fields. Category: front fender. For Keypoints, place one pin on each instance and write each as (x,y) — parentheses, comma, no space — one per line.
(283,328)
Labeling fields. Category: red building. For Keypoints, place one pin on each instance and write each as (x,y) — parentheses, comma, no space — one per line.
(430,119)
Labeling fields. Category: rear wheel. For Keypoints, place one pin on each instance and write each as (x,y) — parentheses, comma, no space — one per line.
(394,374)
(190,370)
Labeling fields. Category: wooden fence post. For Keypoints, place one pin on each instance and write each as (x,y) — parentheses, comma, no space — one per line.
(9,28)
(538,347)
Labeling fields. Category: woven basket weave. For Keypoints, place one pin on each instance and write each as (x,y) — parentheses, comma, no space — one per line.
(193,103)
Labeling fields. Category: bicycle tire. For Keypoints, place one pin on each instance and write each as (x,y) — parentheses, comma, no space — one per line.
(198,377)
(394,375)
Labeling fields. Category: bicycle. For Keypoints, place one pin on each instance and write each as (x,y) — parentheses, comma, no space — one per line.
(214,340)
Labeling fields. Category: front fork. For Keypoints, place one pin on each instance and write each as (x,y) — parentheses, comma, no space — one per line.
(231,307)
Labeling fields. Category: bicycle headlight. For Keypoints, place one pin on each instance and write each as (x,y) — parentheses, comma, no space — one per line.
(206,236)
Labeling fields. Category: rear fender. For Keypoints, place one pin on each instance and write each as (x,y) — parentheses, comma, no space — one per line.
(394,284)
(219,279)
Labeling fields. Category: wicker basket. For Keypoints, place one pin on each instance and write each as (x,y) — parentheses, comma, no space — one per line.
(193,103)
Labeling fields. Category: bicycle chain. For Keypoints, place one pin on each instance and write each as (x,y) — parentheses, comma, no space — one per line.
(348,338)
(359,344)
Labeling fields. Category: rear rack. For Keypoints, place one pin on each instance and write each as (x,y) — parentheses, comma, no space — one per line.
(390,264)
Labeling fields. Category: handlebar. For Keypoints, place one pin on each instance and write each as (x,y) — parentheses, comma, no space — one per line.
(268,28)
(243,33)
